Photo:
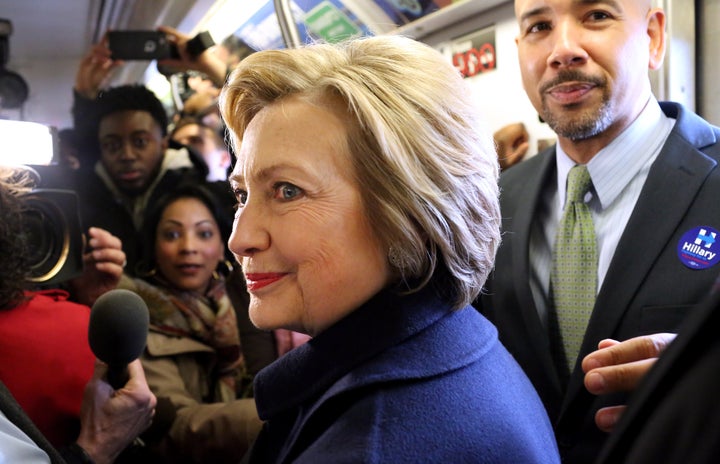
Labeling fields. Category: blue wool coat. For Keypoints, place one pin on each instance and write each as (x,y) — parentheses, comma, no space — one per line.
(401,379)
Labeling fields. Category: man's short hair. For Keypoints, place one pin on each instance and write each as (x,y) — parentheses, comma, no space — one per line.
(131,98)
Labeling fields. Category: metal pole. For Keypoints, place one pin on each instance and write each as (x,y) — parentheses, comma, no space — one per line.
(288,28)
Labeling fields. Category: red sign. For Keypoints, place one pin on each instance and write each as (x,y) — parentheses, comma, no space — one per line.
(475,53)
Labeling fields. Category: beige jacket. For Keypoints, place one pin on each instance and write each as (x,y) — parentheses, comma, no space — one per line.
(205,429)
(195,421)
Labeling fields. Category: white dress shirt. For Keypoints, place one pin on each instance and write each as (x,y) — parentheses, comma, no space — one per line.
(618,173)
(16,447)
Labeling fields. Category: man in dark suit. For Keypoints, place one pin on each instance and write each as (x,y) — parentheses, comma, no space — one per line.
(653,201)
(674,416)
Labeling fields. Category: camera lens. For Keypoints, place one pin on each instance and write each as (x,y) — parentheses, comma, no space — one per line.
(51,229)
(46,234)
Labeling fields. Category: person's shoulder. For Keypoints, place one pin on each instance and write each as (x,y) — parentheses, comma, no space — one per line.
(163,343)
(86,181)
(700,133)
(527,168)
(53,176)
(55,300)
(42,313)
(530,174)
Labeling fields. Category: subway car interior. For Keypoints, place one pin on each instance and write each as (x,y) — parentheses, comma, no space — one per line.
(40,51)
(81,249)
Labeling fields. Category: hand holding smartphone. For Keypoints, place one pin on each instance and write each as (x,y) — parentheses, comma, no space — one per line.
(141,45)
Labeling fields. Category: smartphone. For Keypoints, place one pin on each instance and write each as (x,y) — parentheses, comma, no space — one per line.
(141,45)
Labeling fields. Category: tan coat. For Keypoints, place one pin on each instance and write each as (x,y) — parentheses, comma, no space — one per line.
(206,428)
(197,420)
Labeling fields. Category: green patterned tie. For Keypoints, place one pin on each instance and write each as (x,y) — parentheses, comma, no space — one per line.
(574,271)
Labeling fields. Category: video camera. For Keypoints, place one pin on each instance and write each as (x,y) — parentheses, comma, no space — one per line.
(50,219)
(51,224)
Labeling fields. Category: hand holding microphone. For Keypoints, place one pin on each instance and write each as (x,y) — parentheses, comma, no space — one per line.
(117,332)
(113,415)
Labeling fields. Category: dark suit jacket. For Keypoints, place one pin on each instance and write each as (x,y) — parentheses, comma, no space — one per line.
(17,416)
(647,288)
(674,416)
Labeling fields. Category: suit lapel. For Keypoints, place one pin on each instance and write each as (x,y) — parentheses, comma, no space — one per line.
(673,182)
(523,215)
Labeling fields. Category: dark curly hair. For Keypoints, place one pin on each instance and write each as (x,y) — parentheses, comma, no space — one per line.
(131,97)
(15,262)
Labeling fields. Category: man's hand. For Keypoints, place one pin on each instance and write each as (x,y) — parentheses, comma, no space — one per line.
(112,419)
(207,62)
(620,366)
(94,69)
(103,265)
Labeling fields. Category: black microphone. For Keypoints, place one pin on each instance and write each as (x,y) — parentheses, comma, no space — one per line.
(117,332)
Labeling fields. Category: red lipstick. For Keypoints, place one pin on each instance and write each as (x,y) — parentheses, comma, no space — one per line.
(257,280)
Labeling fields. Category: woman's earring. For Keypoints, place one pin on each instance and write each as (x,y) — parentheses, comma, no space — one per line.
(395,258)
(151,272)
(224,267)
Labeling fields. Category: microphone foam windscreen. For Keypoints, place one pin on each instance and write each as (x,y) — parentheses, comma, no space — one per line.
(118,327)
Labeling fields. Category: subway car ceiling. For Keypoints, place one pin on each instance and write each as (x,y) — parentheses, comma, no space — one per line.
(49,38)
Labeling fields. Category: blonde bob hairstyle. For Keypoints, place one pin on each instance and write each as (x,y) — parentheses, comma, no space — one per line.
(426,169)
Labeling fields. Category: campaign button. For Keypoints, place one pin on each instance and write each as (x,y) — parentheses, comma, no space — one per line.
(699,248)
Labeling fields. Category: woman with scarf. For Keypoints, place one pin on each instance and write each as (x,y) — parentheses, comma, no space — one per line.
(194,360)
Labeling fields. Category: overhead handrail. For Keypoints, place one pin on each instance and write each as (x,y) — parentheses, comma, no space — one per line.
(288,27)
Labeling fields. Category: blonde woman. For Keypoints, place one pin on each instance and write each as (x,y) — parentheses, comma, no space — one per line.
(368,218)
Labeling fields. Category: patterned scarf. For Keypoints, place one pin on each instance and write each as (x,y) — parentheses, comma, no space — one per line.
(208,318)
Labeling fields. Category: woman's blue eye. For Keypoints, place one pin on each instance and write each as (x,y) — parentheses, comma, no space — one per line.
(286,191)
